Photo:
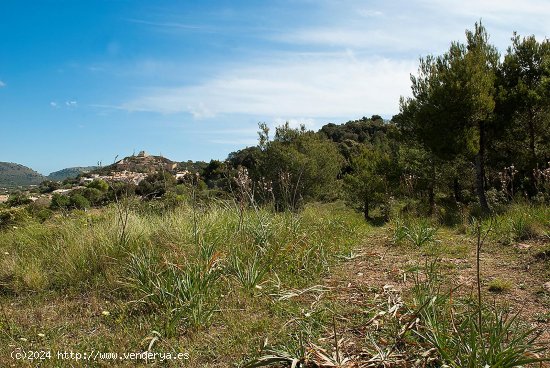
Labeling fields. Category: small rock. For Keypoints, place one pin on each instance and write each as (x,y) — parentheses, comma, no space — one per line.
(523,246)
(547,286)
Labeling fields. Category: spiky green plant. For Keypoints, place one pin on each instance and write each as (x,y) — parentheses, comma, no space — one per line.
(454,329)
(250,271)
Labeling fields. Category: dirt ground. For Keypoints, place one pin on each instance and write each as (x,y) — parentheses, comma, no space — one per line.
(379,266)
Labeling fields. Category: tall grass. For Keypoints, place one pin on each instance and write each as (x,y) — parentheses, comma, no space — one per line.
(176,263)
(521,222)
(467,334)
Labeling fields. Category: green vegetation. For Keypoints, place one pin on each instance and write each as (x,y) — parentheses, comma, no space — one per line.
(470,335)
(390,234)
(499,285)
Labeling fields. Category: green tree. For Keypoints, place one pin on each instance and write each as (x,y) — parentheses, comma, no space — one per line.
(156,184)
(524,104)
(93,195)
(48,186)
(454,100)
(301,165)
(78,201)
(367,184)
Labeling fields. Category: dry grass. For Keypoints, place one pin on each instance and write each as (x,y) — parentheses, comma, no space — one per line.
(331,283)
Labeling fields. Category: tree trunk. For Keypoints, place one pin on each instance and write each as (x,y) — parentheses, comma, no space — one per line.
(431,189)
(533,165)
(456,190)
(480,170)
(532,135)
(366,209)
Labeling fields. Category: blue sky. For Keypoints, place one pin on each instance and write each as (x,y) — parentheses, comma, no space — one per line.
(84,81)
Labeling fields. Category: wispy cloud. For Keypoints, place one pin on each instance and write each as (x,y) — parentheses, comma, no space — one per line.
(322,87)
(418,26)
(2,84)
(171,25)
(355,62)
(70,104)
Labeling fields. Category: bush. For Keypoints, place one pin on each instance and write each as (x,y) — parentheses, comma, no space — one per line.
(39,210)
(78,201)
(59,201)
(12,217)
(18,199)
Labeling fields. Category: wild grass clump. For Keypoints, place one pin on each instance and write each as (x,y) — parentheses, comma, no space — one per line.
(468,333)
(418,232)
(499,285)
(185,294)
(249,271)
(522,222)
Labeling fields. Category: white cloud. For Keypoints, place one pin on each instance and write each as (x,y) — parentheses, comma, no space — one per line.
(501,17)
(2,84)
(368,13)
(175,25)
(71,103)
(352,61)
(200,111)
(53,104)
(312,87)
(421,26)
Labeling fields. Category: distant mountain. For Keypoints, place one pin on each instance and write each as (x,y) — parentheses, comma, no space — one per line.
(14,175)
(70,172)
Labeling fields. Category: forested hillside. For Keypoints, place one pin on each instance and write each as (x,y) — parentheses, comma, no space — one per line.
(71,172)
(14,175)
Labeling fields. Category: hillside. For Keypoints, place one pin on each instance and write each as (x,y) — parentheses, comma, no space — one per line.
(70,172)
(141,163)
(14,175)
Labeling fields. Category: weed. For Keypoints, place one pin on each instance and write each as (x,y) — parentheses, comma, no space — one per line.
(499,285)
(250,272)
(186,294)
(472,335)
(418,233)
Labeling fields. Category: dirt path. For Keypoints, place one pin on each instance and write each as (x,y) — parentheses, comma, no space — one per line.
(378,264)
